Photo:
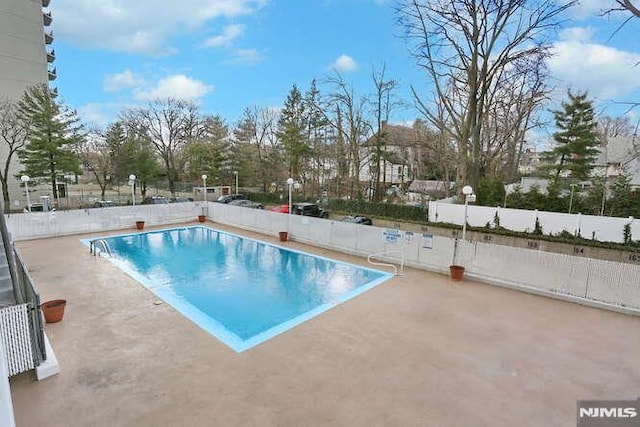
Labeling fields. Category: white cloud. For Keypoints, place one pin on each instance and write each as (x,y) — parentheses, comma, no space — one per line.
(588,8)
(577,34)
(176,86)
(94,114)
(247,56)
(604,71)
(123,80)
(344,64)
(229,34)
(140,26)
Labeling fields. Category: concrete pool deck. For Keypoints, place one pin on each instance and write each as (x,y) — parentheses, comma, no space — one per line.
(416,350)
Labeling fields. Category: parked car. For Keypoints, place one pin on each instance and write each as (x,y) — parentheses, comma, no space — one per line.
(155,200)
(358,219)
(179,200)
(229,197)
(104,204)
(305,209)
(309,209)
(246,204)
(280,209)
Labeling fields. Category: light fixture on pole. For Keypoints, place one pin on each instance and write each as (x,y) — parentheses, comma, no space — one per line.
(290,184)
(26,179)
(204,186)
(132,183)
(468,197)
(236,174)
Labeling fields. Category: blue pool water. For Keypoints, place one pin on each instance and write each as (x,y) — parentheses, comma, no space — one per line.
(242,291)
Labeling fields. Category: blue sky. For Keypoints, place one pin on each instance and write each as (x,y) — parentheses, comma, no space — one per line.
(227,55)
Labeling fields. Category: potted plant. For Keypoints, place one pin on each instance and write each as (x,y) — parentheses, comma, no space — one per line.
(139,225)
(53,310)
(201,218)
(456,271)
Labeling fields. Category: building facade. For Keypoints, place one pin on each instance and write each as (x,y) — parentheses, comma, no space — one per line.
(26,59)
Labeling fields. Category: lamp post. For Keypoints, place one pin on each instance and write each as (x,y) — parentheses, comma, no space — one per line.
(132,183)
(204,186)
(290,184)
(573,186)
(26,179)
(468,197)
(236,174)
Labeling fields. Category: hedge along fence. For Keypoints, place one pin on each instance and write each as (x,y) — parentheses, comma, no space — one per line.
(384,210)
(354,207)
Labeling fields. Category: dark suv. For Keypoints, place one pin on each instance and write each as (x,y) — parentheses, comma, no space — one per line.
(309,209)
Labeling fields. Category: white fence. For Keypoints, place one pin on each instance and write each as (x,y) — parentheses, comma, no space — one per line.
(577,278)
(602,228)
(34,225)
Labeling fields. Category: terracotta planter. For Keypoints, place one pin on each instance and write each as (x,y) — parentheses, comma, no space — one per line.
(283,235)
(139,225)
(201,218)
(53,310)
(456,271)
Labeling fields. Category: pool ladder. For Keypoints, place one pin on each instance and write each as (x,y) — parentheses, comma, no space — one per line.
(93,247)
(396,271)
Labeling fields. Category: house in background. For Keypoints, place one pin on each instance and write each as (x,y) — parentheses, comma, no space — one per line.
(421,191)
(530,161)
(620,156)
(403,153)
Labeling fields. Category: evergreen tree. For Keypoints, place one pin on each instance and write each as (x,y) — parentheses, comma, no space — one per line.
(316,130)
(621,202)
(210,153)
(132,154)
(54,132)
(576,138)
(292,131)
(593,200)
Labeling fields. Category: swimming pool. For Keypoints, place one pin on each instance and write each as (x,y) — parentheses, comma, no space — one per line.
(240,290)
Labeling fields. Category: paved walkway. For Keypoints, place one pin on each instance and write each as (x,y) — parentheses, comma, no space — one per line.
(417,350)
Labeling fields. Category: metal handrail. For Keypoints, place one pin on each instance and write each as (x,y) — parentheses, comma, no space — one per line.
(93,247)
(25,282)
(8,249)
(385,264)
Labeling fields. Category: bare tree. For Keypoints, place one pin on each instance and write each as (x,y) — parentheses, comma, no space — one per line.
(345,113)
(383,102)
(257,129)
(613,127)
(169,124)
(14,133)
(465,47)
(629,6)
(520,93)
(95,154)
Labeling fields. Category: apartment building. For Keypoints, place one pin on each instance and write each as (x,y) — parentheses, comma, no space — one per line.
(26,58)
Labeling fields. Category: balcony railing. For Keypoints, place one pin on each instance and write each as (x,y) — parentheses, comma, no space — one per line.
(52,74)
(51,56)
(47,18)
(48,37)
(45,3)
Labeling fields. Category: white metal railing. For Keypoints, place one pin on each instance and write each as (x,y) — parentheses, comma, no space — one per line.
(16,338)
(396,271)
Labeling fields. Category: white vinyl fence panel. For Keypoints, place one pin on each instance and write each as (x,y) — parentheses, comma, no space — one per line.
(602,228)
